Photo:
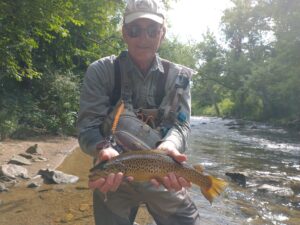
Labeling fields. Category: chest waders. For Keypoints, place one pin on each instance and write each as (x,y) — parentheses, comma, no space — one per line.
(139,129)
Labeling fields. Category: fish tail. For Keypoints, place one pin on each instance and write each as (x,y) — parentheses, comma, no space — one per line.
(215,188)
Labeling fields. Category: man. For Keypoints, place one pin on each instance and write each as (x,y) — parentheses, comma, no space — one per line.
(168,202)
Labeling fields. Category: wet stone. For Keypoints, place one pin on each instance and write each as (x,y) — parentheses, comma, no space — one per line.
(279,191)
(237,177)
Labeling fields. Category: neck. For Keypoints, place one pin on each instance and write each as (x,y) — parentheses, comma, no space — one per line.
(142,65)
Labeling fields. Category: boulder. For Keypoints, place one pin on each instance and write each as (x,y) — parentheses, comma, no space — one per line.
(57,177)
(13,171)
(35,150)
(19,160)
(237,177)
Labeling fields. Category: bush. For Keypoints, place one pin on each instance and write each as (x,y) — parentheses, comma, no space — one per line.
(47,105)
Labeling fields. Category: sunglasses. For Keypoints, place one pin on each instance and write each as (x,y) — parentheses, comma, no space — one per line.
(135,31)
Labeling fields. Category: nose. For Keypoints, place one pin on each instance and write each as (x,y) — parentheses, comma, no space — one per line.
(144,34)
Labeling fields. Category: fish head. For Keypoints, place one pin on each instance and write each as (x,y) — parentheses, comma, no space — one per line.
(103,169)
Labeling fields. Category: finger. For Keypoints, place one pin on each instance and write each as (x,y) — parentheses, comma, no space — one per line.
(130,178)
(97,183)
(155,183)
(167,183)
(178,156)
(184,183)
(117,181)
(174,182)
(104,155)
(108,183)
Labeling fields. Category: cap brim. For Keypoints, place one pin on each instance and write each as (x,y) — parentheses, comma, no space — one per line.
(138,15)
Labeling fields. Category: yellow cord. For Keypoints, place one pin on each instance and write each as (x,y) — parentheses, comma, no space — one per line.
(120,110)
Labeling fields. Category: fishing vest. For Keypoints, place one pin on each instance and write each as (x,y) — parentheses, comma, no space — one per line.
(139,129)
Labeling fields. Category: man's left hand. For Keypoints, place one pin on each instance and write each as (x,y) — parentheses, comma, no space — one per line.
(171,181)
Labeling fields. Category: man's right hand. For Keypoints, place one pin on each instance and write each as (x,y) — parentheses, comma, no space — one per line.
(112,181)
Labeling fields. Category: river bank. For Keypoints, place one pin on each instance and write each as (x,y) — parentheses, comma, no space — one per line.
(51,204)
(54,149)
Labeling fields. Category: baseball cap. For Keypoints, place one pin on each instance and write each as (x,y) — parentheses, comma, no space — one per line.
(150,9)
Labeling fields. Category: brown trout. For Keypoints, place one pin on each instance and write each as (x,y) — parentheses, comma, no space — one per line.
(145,165)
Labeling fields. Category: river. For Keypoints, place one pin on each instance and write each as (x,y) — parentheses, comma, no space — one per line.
(269,157)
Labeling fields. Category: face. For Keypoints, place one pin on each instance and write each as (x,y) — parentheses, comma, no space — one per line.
(143,38)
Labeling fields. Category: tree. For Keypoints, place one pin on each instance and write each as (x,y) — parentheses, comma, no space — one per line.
(208,83)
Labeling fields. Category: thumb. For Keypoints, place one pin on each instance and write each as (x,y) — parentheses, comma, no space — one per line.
(178,156)
(104,155)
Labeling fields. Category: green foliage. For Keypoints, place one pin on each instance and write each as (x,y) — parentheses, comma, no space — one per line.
(258,74)
(39,35)
(43,44)
(23,24)
(50,107)
(226,106)
(178,52)
(59,100)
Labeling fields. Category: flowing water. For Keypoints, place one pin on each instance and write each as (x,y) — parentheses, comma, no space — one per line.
(266,155)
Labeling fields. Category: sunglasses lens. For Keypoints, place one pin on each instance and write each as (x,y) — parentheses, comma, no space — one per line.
(135,31)
(152,31)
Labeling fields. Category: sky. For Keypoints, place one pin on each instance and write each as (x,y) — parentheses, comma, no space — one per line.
(190,19)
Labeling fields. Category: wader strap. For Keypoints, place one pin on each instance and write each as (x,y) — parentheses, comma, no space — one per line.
(161,83)
(117,86)
(116,94)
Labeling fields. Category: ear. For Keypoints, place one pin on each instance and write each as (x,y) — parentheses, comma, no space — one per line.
(164,33)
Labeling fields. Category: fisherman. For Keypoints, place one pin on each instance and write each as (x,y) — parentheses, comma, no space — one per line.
(142,80)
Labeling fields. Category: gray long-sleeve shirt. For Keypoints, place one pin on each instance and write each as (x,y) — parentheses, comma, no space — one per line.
(97,90)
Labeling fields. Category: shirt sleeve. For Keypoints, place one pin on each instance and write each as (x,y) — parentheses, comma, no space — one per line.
(94,104)
(180,128)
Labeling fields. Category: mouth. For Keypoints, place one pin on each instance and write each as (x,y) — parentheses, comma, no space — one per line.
(143,47)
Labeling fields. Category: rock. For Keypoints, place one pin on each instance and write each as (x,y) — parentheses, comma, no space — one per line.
(25,155)
(40,159)
(67,218)
(13,171)
(33,185)
(234,123)
(238,178)
(19,160)
(35,150)
(3,187)
(58,177)
(279,191)
(84,207)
